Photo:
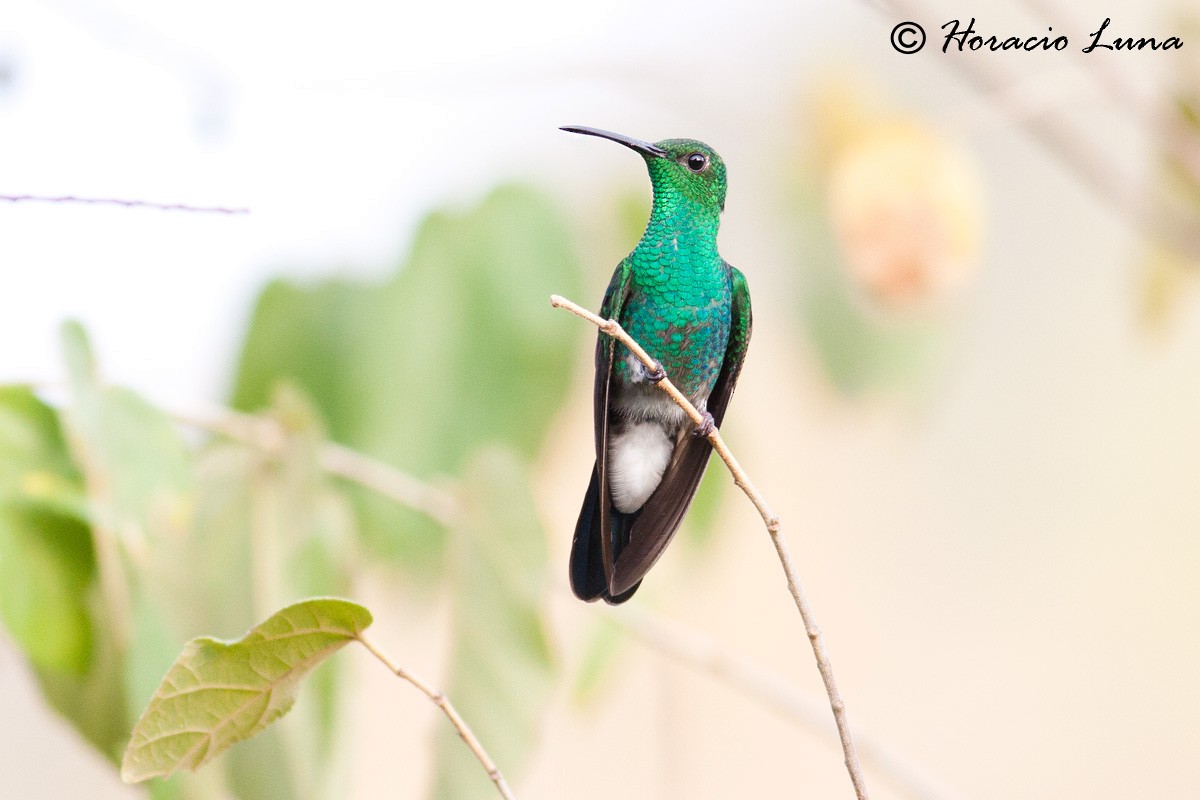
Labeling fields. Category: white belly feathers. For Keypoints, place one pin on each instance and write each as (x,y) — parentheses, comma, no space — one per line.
(637,457)
(645,425)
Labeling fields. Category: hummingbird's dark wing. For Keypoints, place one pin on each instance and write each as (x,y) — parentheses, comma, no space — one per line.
(592,549)
(660,517)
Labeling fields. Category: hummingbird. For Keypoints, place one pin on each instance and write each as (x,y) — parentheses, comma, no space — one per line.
(690,310)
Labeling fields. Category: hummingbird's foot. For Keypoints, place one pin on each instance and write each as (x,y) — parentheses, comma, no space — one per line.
(706,427)
(657,374)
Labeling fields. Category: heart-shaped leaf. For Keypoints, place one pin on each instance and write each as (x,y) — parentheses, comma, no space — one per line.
(218,693)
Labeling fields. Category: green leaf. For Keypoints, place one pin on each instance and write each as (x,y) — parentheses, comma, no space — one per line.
(94,703)
(46,569)
(33,452)
(501,668)
(35,463)
(138,467)
(309,335)
(219,693)
(457,349)
(46,560)
(478,354)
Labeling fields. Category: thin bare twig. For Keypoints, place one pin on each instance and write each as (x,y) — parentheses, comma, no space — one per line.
(705,655)
(265,432)
(439,505)
(116,201)
(460,725)
(612,328)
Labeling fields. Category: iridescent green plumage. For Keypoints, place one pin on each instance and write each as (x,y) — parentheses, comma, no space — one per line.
(689,309)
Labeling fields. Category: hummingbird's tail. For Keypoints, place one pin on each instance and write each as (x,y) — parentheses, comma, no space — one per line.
(588,578)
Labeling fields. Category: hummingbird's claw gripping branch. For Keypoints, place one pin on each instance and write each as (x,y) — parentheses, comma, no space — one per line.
(707,426)
(657,374)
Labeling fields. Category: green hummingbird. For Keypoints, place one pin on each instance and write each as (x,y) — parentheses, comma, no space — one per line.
(690,310)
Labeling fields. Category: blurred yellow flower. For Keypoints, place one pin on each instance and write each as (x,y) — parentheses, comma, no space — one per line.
(906,209)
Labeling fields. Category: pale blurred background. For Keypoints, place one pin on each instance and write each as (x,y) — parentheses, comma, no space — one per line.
(971,395)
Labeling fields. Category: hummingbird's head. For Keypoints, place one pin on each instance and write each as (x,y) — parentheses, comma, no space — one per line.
(690,168)
(680,167)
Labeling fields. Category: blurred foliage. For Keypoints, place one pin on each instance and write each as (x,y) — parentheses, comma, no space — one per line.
(134,459)
(120,539)
(501,668)
(601,649)
(700,524)
(116,538)
(137,473)
(95,701)
(46,562)
(45,566)
(454,350)
(50,598)
(1167,277)
(864,349)
(890,225)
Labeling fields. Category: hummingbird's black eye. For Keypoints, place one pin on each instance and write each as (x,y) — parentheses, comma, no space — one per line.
(697,162)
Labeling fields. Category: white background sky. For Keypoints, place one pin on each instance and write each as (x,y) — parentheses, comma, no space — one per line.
(338,126)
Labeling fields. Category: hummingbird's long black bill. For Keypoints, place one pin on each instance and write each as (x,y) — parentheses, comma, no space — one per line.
(645,148)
